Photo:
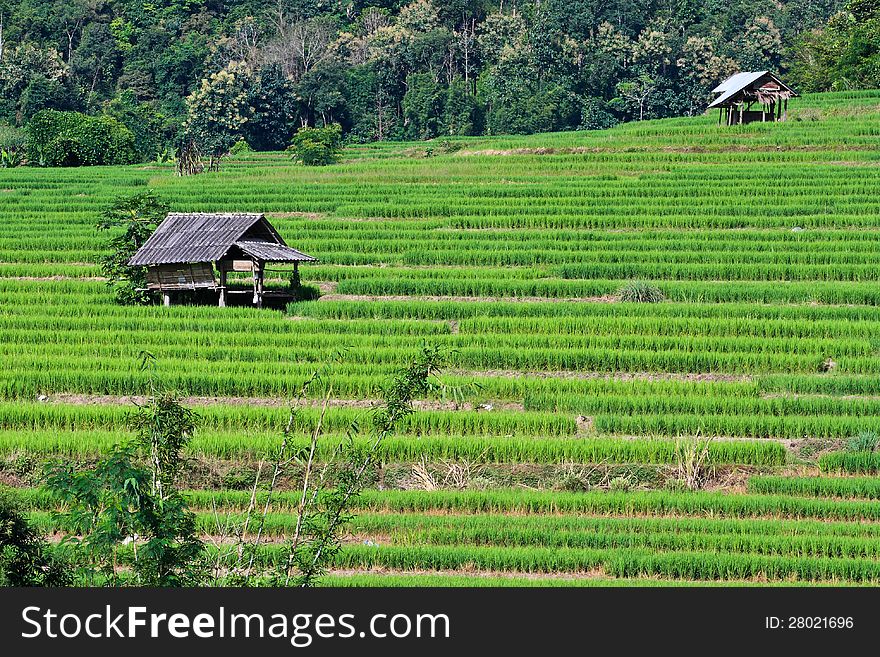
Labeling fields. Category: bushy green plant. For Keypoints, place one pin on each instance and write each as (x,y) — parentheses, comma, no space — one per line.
(74,139)
(138,215)
(24,556)
(9,159)
(317,146)
(239,147)
(640,292)
(131,496)
(864,441)
(13,143)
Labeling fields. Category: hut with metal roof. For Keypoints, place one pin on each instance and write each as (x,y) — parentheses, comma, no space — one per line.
(185,249)
(739,93)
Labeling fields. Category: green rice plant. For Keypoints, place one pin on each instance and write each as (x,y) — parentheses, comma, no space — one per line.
(849,487)
(852,462)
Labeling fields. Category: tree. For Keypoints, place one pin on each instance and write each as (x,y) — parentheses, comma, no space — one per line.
(423,106)
(275,110)
(635,93)
(700,70)
(463,114)
(65,139)
(301,46)
(322,91)
(138,216)
(130,498)
(843,55)
(317,146)
(31,79)
(218,111)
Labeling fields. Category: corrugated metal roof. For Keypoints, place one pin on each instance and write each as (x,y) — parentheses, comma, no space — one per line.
(273,252)
(203,237)
(736,83)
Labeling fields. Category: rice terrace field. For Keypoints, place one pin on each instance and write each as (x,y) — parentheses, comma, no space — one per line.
(564,458)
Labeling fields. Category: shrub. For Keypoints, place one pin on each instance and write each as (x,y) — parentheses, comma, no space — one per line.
(596,115)
(74,139)
(138,215)
(317,146)
(9,159)
(241,146)
(24,556)
(864,441)
(640,292)
(13,142)
(12,139)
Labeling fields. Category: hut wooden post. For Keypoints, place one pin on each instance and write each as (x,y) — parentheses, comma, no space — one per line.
(254,268)
(166,298)
(785,110)
(222,300)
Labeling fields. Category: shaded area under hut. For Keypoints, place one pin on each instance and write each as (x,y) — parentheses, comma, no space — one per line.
(186,248)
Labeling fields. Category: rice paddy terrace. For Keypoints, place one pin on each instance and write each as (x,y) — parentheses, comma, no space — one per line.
(559,462)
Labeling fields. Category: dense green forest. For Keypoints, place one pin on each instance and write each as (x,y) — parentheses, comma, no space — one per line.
(387,69)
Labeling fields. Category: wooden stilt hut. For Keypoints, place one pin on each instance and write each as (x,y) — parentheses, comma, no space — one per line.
(739,93)
(186,249)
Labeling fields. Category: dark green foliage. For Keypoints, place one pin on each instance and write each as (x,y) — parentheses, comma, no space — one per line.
(524,68)
(25,559)
(149,127)
(138,216)
(317,146)
(275,109)
(72,139)
(844,55)
(463,113)
(422,107)
(596,115)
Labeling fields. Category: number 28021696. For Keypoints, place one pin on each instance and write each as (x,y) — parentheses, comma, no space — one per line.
(808,622)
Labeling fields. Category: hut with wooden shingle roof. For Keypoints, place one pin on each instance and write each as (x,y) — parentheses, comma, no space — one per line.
(739,93)
(185,249)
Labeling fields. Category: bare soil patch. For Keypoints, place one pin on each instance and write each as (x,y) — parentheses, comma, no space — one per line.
(617,376)
(302,215)
(54,278)
(272,402)
(608,298)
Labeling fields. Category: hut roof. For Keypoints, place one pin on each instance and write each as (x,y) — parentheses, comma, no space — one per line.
(207,237)
(746,81)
